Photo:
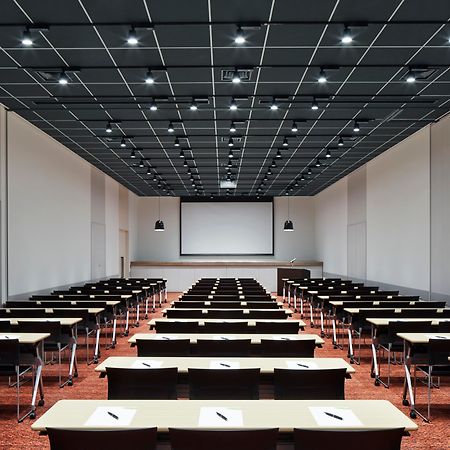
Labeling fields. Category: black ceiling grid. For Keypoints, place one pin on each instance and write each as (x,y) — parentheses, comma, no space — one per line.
(190,49)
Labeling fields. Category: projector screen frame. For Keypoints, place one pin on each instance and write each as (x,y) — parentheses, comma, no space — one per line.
(236,199)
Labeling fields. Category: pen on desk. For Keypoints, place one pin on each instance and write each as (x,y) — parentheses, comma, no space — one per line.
(225,365)
(166,338)
(113,415)
(285,339)
(221,415)
(224,338)
(302,365)
(441,337)
(147,365)
(333,416)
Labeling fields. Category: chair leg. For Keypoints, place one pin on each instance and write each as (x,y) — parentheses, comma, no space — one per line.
(18,392)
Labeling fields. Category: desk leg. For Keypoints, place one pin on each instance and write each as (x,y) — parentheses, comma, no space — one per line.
(322,331)
(154,302)
(137,314)
(37,384)
(312,316)
(284,292)
(97,342)
(350,346)
(127,318)
(146,307)
(113,339)
(295,299)
(374,369)
(301,306)
(333,323)
(160,298)
(289,297)
(73,371)
(165,295)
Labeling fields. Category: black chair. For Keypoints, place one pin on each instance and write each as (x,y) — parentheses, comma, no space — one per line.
(137,439)
(309,384)
(226,314)
(226,327)
(162,326)
(142,384)
(444,327)
(284,348)
(229,384)
(5,326)
(385,439)
(287,327)
(180,313)
(272,314)
(181,439)
(162,347)
(231,347)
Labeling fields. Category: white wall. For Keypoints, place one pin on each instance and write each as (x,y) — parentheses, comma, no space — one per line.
(331,228)
(112,227)
(154,246)
(398,214)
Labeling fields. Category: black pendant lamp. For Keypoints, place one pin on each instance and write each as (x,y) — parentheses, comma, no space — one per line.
(288,225)
(159,224)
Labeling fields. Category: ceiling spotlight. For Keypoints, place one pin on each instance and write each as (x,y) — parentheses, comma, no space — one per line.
(356,126)
(26,38)
(189,171)
(236,77)
(294,127)
(265,178)
(230,163)
(141,163)
(340,142)
(232,128)
(318,163)
(274,164)
(239,38)
(233,105)
(296,183)
(193,106)
(133,154)
(278,155)
(159,185)
(132,37)
(230,142)
(63,79)
(153,106)
(322,77)
(149,172)
(273,105)
(314,105)
(185,164)
(410,77)
(346,36)
(108,128)
(269,171)
(309,171)
(155,178)
(123,143)
(177,142)
(230,154)
(328,155)
(285,142)
(170,128)
(302,178)
(181,153)
(149,78)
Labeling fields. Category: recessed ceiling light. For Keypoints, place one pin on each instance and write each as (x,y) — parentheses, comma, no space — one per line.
(193,106)
(63,79)
(132,37)
(294,127)
(322,77)
(149,78)
(26,38)
(347,38)
(239,38)
(410,77)
(170,128)
(236,77)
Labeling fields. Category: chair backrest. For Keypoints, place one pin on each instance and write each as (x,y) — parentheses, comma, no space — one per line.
(52,327)
(137,439)
(176,327)
(396,327)
(224,327)
(31,313)
(162,347)
(181,313)
(5,326)
(272,314)
(385,439)
(226,314)
(9,354)
(284,348)
(224,384)
(309,384)
(141,384)
(189,304)
(444,327)
(265,439)
(232,347)
(439,352)
(287,327)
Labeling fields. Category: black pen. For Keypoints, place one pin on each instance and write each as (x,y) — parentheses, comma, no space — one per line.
(285,339)
(147,365)
(166,338)
(225,365)
(441,337)
(224,338)
(113,415)
(333,416)
(302,365)
(221,415)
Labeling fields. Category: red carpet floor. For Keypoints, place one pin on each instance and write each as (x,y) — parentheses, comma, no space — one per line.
(434,436)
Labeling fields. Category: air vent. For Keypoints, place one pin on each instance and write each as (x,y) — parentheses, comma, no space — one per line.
(244,74)
(236,139)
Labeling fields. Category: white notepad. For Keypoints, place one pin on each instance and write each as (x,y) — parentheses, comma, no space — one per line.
(103,417)
(347,417)
(223,364)
(300,365)
(211,417)
(146,364)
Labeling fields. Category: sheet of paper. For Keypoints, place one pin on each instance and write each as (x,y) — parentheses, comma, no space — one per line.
(328,416)
(215,417)
(223,364)
(302,365)
(146,364)
(110,416)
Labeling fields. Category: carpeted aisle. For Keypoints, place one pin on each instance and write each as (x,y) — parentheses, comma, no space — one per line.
(14,436)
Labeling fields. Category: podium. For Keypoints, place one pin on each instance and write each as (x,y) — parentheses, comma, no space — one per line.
(289,272)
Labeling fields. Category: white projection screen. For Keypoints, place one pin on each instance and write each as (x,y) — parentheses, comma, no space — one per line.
(226,228)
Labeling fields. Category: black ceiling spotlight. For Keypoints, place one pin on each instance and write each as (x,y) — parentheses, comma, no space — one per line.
(149,172)
(133,154)
(322,77)
(149,78)
(230,142)
(278,155)
(232,127)
(302,177)
(230,162)
(410,76)
(318,163)
(236,77)
(27,40)
(230,154)
(108,128)
(273,105)
(132,37)
(63,78)
(155,178)
(265,177)
(239,37)
(193,106)
(296,183)
(233,105)
(274,164)
(294,127)
(356,127)
(269,171)
(328,154)
(340,141)
(176,142)
(189,171)
(288,225)
(141,163)
(123,143)
(185,163)
(153,106)
(285,142)
(170,128)
(314,105)
(309,171)
(181,153)
(346,37)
